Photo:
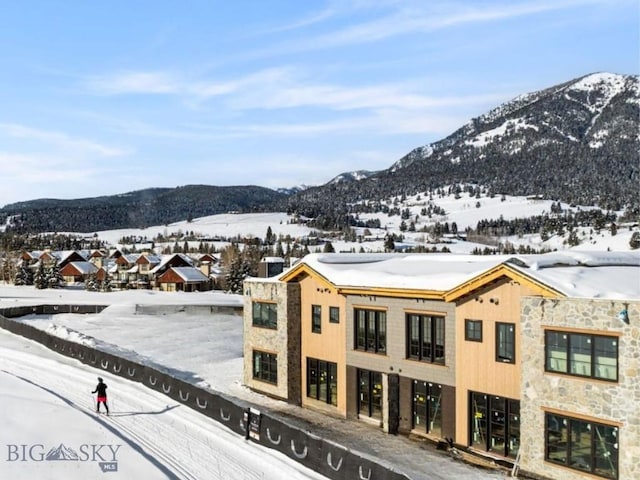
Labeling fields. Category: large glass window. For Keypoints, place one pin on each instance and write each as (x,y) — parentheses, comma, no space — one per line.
(425,338)
(265,366)
(427,407)
(583,355)
(370,394)
(505,342)
(371,330)
(316,318)
(265,315)
(473,330)
(494,424)
(322,381)
(582,445)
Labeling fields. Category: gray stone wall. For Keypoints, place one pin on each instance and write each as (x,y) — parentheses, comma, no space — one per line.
(284,340)
(606,402)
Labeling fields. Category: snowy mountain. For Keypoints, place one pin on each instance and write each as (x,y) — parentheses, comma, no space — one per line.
(348,177)
(577,142)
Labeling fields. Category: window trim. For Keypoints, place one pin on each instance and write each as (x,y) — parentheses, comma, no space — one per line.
(272,307)
(593,357)
(467,337)
(568,423)
(316,318)
(380,330)
(271,360)
(433,321)
(328,368)
(502,359)
(332,311)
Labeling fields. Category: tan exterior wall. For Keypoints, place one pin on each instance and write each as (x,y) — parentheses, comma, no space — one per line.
(602,401)
(329,345)
(283,341)
(477,368)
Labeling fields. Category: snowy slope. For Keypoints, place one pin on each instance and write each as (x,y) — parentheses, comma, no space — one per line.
(47,406)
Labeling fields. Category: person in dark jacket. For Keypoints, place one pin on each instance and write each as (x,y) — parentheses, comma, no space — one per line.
(101,390)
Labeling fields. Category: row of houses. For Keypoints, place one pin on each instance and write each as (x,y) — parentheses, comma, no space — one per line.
(532,360)
(177,272)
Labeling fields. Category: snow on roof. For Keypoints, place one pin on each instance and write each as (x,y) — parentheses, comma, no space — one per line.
(166,258)
(272,260)
(133,269)
(190,274)
(423,271)
(583,274)
(84,267)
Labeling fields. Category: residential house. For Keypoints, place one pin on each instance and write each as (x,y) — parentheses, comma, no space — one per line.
(183,279)
(77,272)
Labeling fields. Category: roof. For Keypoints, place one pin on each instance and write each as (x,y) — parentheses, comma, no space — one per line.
(190,274)
(582,274)
(167,258)
(84,268)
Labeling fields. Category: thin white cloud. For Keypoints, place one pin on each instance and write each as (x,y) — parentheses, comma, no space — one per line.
(421,17)
(134,82)
(61,140)
(284,88)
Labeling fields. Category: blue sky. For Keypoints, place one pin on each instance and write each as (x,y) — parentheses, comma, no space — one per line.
(101,98)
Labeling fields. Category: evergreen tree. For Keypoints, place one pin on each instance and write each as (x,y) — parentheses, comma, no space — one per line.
(52,275)
(634,242)
(238,271)
(39,279)
(328,248)
(91,284)
(24,276)
(389,244)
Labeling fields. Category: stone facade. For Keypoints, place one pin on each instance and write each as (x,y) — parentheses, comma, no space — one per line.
(283,341)
(610,403)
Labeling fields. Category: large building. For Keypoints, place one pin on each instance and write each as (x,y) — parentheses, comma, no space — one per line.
(488,351)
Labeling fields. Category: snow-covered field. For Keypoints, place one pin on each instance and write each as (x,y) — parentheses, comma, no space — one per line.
(465,211)
(49,429)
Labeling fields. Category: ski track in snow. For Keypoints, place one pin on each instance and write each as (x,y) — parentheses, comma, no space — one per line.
(180,440)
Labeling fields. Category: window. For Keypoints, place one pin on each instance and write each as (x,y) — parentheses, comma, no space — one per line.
(316,318)
(427,407)
(494,424)
(334,315)
(582,355)
(265,366)
(473,330)
(505,342)
(582,445)
(322,381)
(371,330)
(265,315)
(370,394)
(425,338)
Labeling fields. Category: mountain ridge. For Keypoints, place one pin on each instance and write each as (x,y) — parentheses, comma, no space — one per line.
(577,141)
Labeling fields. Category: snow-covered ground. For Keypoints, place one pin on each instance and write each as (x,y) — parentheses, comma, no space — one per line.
(203,349)
(465,211)
(49,429)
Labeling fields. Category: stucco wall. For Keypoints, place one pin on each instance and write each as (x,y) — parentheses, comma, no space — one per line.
(605,402)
